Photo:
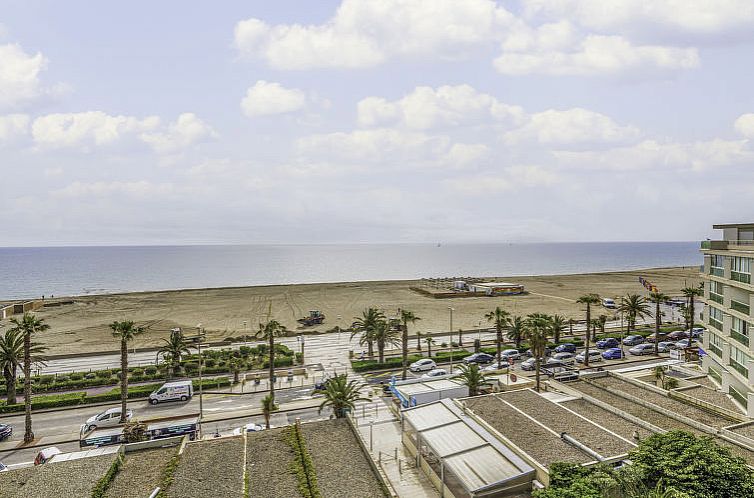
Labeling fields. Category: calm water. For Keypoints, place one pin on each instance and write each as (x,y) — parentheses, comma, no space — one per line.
(31,272)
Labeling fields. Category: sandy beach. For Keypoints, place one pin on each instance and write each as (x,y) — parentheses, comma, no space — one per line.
(82,326)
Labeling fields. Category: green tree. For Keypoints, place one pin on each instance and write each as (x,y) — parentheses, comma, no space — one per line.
(173,349)
(472,377)
(429,342)
(634,307)
(341,395)
(406,318)
(601,323)
(124,331)
(267,332)
(690,293)
(419,341)
(588,300)
(384,334)
(268,407)
(657,298)
(557,326)
(666,382)
(500,318)
(366,325)
(12,359)
(516,330)
(536,329)
(28,326)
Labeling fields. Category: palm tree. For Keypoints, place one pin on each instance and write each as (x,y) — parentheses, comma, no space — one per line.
(690,293)
(657,297)
(267,332)
(419,341)
(429,342)
(501,319)
(268,406)
(557,326)
(634,307)
(28,325)
(666,382)
(125,331)
(472,377)
(12,359)
(595,326)
(588,300)
(601,322)
(171,352)
(406,318)
(366,325)
(384,334)
(342,395)
(536,327)
(516,330)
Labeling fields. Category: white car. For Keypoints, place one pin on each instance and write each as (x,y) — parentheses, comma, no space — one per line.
(642,349)
(510,353)
(494,366)
(108,418)
(593,356)
(422,365)
(248,428)
(666,346)
(438,372)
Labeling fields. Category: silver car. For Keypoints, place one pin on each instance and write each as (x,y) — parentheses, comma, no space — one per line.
(108,418)
(642,349)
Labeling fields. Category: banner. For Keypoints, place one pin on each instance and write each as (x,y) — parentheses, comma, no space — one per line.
(648,285)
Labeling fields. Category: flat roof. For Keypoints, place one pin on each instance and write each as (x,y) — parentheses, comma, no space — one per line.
(733,225)
(428,386)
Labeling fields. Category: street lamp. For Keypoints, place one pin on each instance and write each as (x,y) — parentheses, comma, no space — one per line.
(198,339)
(451,327)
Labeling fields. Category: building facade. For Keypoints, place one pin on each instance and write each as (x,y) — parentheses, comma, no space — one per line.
(729,296)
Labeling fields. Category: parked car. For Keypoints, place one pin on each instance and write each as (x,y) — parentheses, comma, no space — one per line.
(108,418)
(559,370)
(510,353)
(528,364)
(697,332)
(5,431)
(593,356)
(566,348)
(633,340)
(613,354)
(495,366)
(651,338)
(437,372)
(422,365)
(548,352)
(480,358)
(180,390)
(683,344)
(610,342)
(3,468)
(666,346)
(46,454)
(608,303)
(642,349)
(677,335)
(565,358)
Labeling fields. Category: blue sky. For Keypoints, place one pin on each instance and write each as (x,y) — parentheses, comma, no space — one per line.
(374,121)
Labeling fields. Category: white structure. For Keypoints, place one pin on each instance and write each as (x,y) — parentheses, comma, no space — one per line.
(497,288)
(416,392)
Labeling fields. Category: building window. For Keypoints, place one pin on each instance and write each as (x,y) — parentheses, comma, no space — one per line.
(716,292)
(740,269)
(717,265)
(740,330)
(740,361)
(716,318)
(716,344)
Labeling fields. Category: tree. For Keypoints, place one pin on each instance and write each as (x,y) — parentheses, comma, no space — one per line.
(267,332)
(690,293)
(557,326)
(516,330)
(419,341)
(341,395)
(268,407)
(500,318)
(366,325)
(472,377)
(429,342)
(406,318)
(536,328)
(235,366)
(173,349)
(657,297)
(661,375)
(601,322)
(27,326)
(125,331)
(634,307)
(135,432)
(12,359)
(588,300)
(384,334)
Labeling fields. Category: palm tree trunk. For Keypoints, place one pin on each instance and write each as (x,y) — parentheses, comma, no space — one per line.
(10,383)
(536,366)
(586,342)
(267,419)
(404,344)
(429,350)
(657,327)
(556,338)
(370,349)
(28,434)
(499,344)
(272,367)
(381,351)
(123,379)
(419,341)
(460,337)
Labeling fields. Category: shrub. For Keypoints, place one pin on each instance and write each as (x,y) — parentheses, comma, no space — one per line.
(245,351)
(103,374)
(137,372)
(90,376)
(210,362)
(150,370)
(76,376)
(61,378)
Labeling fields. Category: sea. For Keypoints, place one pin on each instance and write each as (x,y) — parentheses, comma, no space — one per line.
(31,272)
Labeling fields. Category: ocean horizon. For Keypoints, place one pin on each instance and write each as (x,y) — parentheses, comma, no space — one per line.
(31,272)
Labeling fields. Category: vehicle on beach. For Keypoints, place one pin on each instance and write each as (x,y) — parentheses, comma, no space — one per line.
(642,349)
(593,356)
(108,418)
(422,365)
(480,358)
(633,340)
(5,431)
(566,348)
(610,342)
(438,372)
(608,303)
(315,317)
(172,391)
(565,358)
(613,354)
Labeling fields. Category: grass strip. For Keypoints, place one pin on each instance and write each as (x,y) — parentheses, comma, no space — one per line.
(302,465)
(101,487)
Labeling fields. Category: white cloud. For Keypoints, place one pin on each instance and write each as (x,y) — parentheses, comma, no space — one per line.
(19,76)
(510,178)
(265,98)
(87,128)
(137,189)
(425,108)
(184,132)
(13,126)
(745,125)
(571,127)
(365,33)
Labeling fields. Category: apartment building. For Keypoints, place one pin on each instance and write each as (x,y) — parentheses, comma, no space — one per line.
(729,295)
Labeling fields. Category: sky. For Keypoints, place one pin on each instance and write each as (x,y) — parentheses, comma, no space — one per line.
(364,121)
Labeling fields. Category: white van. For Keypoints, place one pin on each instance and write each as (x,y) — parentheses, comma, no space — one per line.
(173,391)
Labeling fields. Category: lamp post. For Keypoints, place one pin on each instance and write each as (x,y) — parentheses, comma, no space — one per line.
(198,339)
(451,324)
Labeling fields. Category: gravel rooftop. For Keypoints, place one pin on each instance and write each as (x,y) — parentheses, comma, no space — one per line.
(342,467)
(717,398)
(140,473)
(209,469)
(607,419)
(561,420)
(541,444)
(268,463)
(74,478)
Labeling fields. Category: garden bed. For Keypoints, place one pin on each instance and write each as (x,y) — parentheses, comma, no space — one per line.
(607,419)
(341,465)
(140,473)
(268,465)
(208,469)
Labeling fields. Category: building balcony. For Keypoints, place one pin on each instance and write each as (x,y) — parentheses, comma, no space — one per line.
(716,324)
(740,277)
(718,272)
(716,350)
(740,307)
(739,368)
(727,245)
(738,336)
(716,298)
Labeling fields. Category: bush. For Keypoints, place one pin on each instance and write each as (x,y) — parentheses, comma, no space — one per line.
(245,351)
(76,376)
(90,376)
(150,370)
(367,365)
(61,378)
(209,362)
(137,372)
(103,374)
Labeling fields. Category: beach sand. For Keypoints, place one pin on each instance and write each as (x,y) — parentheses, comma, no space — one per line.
(83,325)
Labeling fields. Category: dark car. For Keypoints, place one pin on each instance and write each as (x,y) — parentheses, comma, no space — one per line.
(566,348)
(548,352)
(633,340)
(610,342)
(677,335)
(479,358)
(5,431)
